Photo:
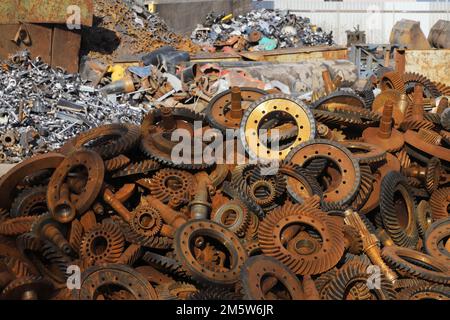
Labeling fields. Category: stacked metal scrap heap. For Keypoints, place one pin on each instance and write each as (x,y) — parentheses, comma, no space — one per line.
(258,30)
(358,184)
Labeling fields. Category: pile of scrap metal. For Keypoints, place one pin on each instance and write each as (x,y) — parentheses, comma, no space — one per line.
(122,28)
(258,30)
(356,184)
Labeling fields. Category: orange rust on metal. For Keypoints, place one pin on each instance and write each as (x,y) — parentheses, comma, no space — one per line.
(65,48)
(432,64)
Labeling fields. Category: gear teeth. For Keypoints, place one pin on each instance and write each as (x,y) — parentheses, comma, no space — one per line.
(413,78)
(355,242)
(426,290)
(330,253)
(29,199)
(433,174)
(403,157)
(159,189)
(392,80)
(76,235)
(114,246)
(18,267)
(165,264)
(131,255)
(402,236)
(215,293)
(323,281)
(16,226)
(357,270)
(365,188)
(141,167)
(341,94)
(439,202)
(416,125)
(117,163)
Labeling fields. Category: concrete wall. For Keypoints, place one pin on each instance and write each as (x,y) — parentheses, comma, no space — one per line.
(184,15)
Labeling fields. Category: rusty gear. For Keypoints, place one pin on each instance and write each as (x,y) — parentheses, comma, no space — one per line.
(117,163)
(104,243)
(108,140)
(440,202)
(272,238)
(365,153)
(16,226)
(168,184)
(417,264)
(423,217)
(233,215)
(340,97)
(146,221)
(265,278)
(300,185)
(392,80)
(435,240)
(354,242)
(398,210)
(226,109)
(136,168)
(29,202)
(412,79)
(275,108)
(425,292)
(365,188)
(194,237)
(27,288)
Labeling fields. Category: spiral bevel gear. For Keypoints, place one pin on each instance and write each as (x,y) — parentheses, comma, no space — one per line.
(436,238)
(353,240)
(141,167)
(270,238)
(365,188)
(357,271)
(130,255)
(165,264)
(176,291)
(412,79)
(424,217)
(18,267)
(30,201)
(429,291)
(403,157)
(75,235)
(27,288)
(440,202)
(104,243)
(214,293)
(430,136)
(168,184)
(16,226)
(392,80)
(117,163)
(403,233)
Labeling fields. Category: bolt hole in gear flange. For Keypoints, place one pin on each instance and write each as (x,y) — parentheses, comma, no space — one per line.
(193,244)
(266,114)
(64,203)
(344,187)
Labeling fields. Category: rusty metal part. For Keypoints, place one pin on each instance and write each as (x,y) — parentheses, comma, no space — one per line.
(130,255)
(200,206)
(398,210)
(365,153)
(412,79)
(98,280)
(435,240)
(429,175)
(352,273)
(157,128)
(392,80)
(46,228)
(365,188)
(16,226)
(136,168)
(117,163)
(229,255)
(27,288)
(353,240)
(412,139)
(265,278)
(300,185)
(30,201)
(430,137)
(423,217)
(108,140)
(169,215)
(8,139)
(417,264)
(440,202)
(340,98)
(175,290)
(386,137)
(370,244)
(346,187)
(16,175)
(75,235)
(168,184)
(401,103)
(233,215)
(275,108)
(104,243)
(226,109)
(146,221)
(428,291)
(273,238)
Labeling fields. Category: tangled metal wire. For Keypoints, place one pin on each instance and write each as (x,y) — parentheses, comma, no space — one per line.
(114,204)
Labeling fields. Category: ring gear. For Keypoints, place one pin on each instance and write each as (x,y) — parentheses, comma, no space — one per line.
(234,216)
(30,201)
(440,202)
(435,240)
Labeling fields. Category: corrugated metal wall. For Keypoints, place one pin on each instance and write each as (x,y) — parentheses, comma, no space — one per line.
(375,17)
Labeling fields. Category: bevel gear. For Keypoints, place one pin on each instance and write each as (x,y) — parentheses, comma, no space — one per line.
(435,240)
(429,291)
(440,202)
(233,215)
(168,184)
(30,201)
(146,221)
(392,80)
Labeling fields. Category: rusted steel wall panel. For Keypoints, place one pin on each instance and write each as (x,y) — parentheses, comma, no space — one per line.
(41,40)
(434,64)
(65,49)
(44,11)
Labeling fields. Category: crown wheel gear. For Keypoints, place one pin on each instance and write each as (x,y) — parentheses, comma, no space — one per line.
(424,217)
(353,272)
(195,235)
(265,278)
(141,167)
(365,189)
(440,202)
(16,226)
(427,291)
(108,140)
(433,174)
(275,107)
(435,240)
(365,153)
(412,79)
(27,288)
(168,184)
(221,113)
(340,97)
(30,201)
(348,167)
(416,264)
(392,80)
(300,185)
(398,210)
(104,243)
(353,239)
(157,128)
(272,238)
(98,278)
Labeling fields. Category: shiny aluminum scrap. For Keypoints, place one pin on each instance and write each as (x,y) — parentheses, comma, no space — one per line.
(288,29)
(34,104)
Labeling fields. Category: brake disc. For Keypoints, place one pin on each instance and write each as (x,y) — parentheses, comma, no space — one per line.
(281,108)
